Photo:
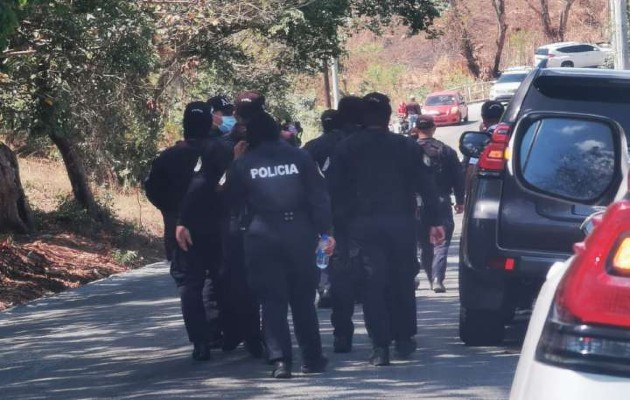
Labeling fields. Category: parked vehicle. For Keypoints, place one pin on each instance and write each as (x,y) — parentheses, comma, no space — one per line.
(577,345)
(447,107)
(508,83)
(571,54)
(555,131)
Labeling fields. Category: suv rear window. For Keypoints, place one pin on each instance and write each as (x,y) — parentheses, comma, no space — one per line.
(571,157)
(606,96)
(542,51)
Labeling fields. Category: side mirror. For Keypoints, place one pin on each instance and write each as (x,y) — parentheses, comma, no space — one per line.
(472,143)
(572,157)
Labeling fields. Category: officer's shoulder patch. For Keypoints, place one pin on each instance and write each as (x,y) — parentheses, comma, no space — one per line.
(427,160)
(326,164)
(198,165)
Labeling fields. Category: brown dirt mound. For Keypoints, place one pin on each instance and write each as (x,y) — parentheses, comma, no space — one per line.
(50,264)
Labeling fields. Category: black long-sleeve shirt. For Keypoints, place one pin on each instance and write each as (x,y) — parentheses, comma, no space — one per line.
(171,174)
(203,206)
(449,177)
(376,172)
(275,177)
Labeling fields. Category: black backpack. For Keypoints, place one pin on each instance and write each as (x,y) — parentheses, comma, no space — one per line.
(436,152)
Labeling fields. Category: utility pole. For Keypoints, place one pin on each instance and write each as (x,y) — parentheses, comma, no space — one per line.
(335,82)
(619,10)
(326,85)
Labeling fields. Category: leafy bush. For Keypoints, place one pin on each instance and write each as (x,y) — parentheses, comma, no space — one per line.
(125,257)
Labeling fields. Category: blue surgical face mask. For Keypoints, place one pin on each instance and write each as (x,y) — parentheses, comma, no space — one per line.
(227,124)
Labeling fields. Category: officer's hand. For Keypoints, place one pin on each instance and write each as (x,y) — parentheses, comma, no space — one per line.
(332,243)
(459,208)
(240,149)
(182,235)
(437,235)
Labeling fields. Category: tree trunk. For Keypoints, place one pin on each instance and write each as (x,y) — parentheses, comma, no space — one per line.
(77,175)
(499,8)
(467,47)
(564,18)
(15,213)
(550,32)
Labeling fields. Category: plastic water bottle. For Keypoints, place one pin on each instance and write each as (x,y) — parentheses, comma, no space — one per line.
(322,258)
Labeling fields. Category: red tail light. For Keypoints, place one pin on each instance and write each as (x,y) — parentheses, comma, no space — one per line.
(592,292)
(493,155)
(588,325)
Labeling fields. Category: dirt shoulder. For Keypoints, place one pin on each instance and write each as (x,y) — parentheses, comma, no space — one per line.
(69,249)
(53,261)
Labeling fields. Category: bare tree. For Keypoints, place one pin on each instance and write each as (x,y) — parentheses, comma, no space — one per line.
(467,47)
(499,9)
(554,33)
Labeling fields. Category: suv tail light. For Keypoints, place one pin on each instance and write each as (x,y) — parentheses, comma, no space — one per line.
(493,155)
(588,327)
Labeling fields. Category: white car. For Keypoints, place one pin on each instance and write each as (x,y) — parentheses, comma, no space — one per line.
(577,345)
(508,83)
(571,54)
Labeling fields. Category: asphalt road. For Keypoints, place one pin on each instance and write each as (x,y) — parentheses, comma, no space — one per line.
(123,338)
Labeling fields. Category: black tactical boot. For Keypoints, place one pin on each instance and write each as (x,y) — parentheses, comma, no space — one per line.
(201,351)
(380,356)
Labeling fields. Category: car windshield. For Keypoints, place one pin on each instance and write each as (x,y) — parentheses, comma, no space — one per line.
(443,100)
(511,78)
(542,51)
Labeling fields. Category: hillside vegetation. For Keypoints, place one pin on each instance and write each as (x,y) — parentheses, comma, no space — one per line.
(402,65)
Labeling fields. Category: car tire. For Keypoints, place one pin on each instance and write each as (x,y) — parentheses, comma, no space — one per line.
(481,327)
(466,119)
(567,64)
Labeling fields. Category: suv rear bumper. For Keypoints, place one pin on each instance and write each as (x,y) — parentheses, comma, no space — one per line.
(487,279)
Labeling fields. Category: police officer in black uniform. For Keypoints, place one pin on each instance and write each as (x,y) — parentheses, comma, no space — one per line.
(374,178)
(346,271)
(320,149)
(195,267)
(288,206)
(449,178)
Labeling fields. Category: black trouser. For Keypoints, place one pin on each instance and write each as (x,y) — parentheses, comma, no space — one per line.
(240,312)
(195,273)
(345,284)
(170,243)
(388,253)
(280,257)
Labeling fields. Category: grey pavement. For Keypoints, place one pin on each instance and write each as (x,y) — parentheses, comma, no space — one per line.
(123,338)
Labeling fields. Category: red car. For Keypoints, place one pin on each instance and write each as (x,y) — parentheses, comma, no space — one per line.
(447,107)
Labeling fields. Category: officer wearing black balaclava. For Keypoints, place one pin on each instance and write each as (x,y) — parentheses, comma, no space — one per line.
(194,168)
(344,272)
(374,178)
(288,208)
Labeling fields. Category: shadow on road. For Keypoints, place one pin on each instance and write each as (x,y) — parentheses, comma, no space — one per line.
(124,338)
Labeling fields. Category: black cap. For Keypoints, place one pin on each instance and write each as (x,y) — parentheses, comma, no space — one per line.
(221,103)
(377,110)
(330,120)
(249,103)
(425,122)
(197,120)
(492,109)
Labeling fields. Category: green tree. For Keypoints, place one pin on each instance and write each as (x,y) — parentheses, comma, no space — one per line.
(84,85)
